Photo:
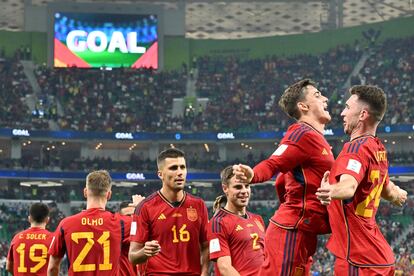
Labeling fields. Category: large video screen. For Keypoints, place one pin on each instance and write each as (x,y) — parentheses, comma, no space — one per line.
(95,40)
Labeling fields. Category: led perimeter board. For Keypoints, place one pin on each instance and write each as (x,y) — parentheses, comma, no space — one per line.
(95,40)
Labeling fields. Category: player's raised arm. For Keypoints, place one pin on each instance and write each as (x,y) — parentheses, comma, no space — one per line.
(243,173)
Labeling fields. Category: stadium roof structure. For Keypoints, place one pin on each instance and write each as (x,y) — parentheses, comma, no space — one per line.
(234,19)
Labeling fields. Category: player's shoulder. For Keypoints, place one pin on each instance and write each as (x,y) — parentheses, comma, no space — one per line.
(218,220)
(195,199)
(299,131)
(19,234)
(357,145)
(254,215)
(148,201)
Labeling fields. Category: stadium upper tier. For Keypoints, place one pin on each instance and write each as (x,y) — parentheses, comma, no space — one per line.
(242,94)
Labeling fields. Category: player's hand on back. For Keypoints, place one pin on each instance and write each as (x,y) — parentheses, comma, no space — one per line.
(136,199)
(324,192)
(243,173)
(151,248)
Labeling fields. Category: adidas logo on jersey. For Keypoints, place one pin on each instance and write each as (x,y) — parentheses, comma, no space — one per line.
(239,228)
(162,216)
(325,152)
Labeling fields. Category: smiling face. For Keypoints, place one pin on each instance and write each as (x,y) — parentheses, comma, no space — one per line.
(173,173)
(315,105)
(352,114)
(238,194)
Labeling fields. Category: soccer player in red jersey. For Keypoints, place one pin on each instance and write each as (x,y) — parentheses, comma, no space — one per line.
(126,210)
(236,236)
(354,186)
(169,229)
(303,156)
(28,249)
(91,239)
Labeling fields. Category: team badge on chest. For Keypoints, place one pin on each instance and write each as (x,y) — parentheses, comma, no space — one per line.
(192,214)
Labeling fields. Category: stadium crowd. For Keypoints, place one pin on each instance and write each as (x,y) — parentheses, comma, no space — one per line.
(197,162)
(242,94)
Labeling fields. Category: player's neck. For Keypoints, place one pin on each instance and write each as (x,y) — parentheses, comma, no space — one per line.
(363,130)
(171,195)
(96,203)
(233,209)
(38,225)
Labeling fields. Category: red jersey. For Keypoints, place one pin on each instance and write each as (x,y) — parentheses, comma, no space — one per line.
(28,252)
(280,187)
(240,238)
(355,233)
(92,240)
(125,267)
(303,156)
(179,229)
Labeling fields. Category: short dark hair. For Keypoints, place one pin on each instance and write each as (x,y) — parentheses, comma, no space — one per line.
(292,95)
(169,153)
(374,97)
(39,212)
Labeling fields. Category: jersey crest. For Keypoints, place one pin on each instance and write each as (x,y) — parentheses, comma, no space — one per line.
(192,214)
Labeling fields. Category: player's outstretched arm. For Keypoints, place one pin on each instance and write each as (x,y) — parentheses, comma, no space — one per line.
(204,258)
(139,253)
(344,189)
(54,266)
(394,194)
(243,173)
(225,267)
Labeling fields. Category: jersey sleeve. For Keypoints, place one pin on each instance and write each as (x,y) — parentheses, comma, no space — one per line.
(140,225)
(351,164)
(10,252)
(204,223)
(218,239)
(289,154)
(57,246)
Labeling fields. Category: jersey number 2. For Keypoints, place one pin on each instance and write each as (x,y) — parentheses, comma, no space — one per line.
(103,240)
(255,237)
(362,208)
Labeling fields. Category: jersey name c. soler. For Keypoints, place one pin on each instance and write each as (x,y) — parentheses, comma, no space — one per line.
(355,233)
(303,156)
(179,229)
(28,252)
(92,240)
(240,238)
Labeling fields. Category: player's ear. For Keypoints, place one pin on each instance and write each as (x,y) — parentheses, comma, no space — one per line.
(47,220)
(29,219)
(225,188)
(108,195)
(159,173)
(364,114)
(302,106)
(85,192)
